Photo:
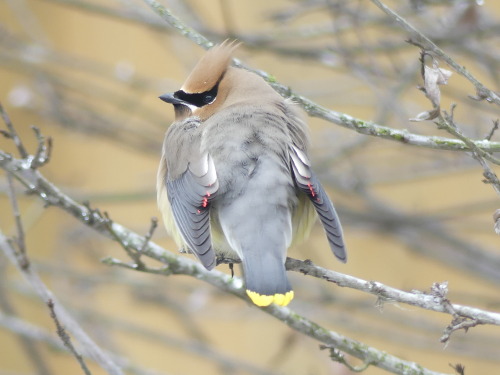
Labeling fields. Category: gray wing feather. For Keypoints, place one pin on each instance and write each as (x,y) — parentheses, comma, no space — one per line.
(190,196)
(308,183)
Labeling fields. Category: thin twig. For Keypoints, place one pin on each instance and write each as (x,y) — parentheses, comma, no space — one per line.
(33,352)
(149,235)
(446,122)
(174,22)
(460,369)
(339,357)
(457,324)
(482,91)
(496,221)
(433,77)
(88,346)
(37,334)
(63,335)
(12,133)
(20,239)
(133,253)
(494,128)
(44,150)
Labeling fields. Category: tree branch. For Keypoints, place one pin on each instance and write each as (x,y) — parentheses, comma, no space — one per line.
(178,265)
(175,264)
(388,294)
(35,333)
(445,121)
(316,110)
(464,317)
(482,91)
(50,194)
(19,258)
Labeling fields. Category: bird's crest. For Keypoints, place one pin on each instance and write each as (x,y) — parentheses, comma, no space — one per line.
(210,69)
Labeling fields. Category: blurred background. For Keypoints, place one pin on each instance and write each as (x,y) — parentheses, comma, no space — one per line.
(88,74)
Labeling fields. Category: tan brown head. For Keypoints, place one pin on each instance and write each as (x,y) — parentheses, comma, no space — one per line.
(213,85)
(201,88)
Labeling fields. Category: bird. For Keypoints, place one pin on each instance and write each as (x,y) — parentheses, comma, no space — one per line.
(235,179)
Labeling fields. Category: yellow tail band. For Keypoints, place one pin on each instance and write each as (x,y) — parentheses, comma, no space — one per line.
(263,300)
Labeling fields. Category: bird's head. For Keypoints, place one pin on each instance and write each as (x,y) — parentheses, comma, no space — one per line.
(206,88)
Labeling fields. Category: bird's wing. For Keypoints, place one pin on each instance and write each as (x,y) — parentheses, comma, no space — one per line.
(191,194)
(308,183)
(191,184)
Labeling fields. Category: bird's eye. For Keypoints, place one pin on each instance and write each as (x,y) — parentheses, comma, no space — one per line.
(207,99)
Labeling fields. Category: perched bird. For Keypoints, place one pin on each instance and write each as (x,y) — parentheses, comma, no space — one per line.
(235,178)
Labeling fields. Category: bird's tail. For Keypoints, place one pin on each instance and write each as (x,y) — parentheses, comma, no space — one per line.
(265,278)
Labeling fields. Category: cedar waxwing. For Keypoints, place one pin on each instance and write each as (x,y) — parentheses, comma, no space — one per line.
(235,178)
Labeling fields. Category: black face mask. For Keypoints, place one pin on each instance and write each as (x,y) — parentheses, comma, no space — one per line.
(199,99)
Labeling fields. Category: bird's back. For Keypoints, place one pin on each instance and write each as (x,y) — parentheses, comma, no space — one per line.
(251,140)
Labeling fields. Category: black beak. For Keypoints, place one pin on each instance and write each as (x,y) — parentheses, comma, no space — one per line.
(170,98)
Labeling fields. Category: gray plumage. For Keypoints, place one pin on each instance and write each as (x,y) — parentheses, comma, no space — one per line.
(235,176)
